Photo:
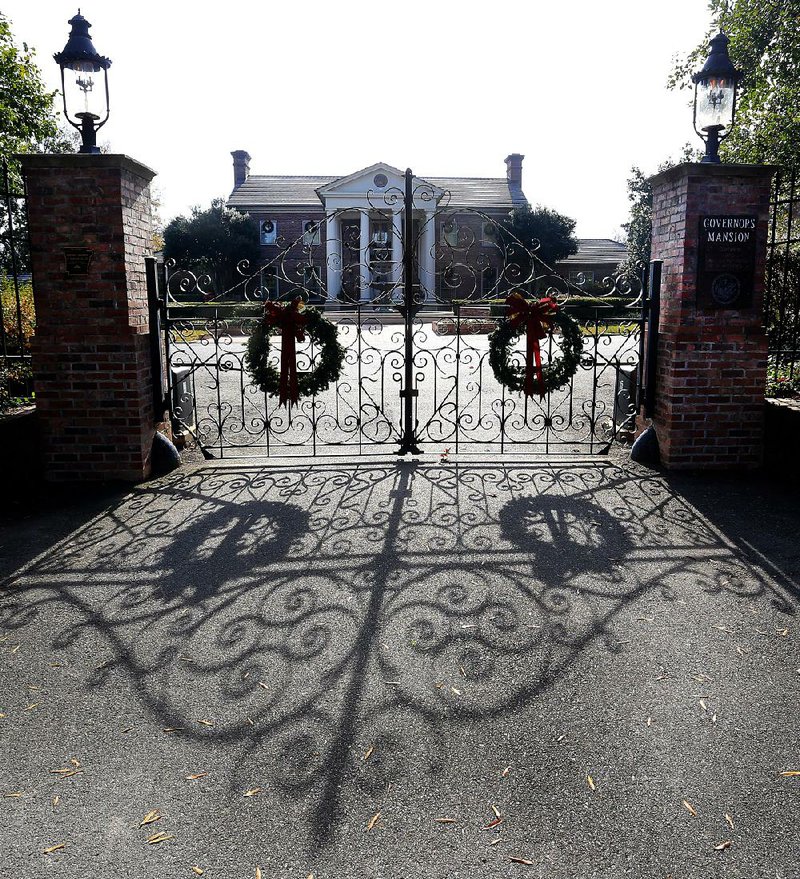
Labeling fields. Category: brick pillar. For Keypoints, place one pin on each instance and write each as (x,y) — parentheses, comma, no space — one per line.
(712,355)
(90,227)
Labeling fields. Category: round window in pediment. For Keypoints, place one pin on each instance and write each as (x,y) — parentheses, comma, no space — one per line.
(380,180)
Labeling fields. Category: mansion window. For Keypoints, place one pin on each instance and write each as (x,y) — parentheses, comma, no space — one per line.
(581,277)
(312,278)
(269,231)
(380,251)
(312,233)
(270,283)
(488,281)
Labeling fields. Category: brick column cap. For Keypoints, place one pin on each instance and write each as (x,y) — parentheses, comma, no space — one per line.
(700,169)
(84,161)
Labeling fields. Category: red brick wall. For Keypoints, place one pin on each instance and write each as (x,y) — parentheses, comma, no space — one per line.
(711,362)
(91,357)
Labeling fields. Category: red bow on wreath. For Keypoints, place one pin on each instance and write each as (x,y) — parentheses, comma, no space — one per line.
(537,319)
(291,322)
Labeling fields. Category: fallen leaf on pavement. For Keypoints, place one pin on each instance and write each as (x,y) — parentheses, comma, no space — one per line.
(590,782)
(159,837)
(505,772)
(253,791)
(31,706)
(67,773)
(258,873)
(174,728)
(56,800)
(15,793)
(729,820)
(492,824)
(445,820)
(721,846)
(150,817)
(790,773)
(649,721)
(54,848)
(703,705)
(263,685)
(496,811)
(370,752)
(690,808)
(75,763)
(520,861)
(197,871)
(206,722)
(373,821)
(196,775)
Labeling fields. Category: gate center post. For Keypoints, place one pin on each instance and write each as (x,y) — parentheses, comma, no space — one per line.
(408,442)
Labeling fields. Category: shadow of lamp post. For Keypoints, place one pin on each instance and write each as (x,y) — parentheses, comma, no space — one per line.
(715,90)
(81,59)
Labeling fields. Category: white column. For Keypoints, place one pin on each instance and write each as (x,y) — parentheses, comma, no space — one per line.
(397,253)
(333,255)
(427,258)
(365,294)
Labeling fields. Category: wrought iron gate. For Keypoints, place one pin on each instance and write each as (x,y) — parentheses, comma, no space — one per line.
(413,309)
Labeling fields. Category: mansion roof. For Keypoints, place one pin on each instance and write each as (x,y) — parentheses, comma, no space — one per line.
(261,191)
(598,250)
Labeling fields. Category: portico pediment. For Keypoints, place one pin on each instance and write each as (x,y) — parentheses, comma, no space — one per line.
(378,185)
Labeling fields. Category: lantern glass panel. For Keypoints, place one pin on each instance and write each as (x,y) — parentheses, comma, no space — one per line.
(714,103)
(85,89)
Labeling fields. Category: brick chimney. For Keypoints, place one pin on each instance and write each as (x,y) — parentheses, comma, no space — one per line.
(514,170)
(241,167)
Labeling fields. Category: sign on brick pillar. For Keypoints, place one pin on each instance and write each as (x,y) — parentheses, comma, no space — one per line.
(710,229)
(90,225)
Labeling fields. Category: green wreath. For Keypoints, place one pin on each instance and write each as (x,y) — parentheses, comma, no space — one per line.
(555,374)
(328,367)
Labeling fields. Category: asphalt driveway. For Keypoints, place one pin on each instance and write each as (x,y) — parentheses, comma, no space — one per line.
(446,669)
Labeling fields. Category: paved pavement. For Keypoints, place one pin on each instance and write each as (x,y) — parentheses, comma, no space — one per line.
(415,670)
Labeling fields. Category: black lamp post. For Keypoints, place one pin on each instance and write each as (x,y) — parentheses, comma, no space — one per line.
(80,57)
(715,88)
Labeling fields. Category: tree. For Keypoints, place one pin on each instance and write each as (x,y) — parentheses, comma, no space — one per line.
(27,118)
(213,242)
(765,46)
(639,228)
(28,124)
(540,230)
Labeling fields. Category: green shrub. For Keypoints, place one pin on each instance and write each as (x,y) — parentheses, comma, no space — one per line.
(16,378)
(10,318)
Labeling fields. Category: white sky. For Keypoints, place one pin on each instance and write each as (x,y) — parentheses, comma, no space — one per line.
(447,88)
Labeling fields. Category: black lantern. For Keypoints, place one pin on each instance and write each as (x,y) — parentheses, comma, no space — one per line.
(80,58)
(715,88)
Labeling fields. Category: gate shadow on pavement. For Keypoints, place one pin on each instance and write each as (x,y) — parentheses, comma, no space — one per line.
(334,622)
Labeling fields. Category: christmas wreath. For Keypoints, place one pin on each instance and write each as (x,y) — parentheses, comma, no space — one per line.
(294,321)
(537,319)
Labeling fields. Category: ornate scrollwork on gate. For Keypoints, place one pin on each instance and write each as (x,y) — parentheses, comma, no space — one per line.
(415,283)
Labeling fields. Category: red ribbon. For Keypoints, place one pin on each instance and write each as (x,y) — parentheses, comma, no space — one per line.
(291,321)
(537,319)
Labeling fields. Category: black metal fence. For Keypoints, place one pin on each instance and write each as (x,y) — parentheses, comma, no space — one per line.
(413,309)
(782,295)
(17,316)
